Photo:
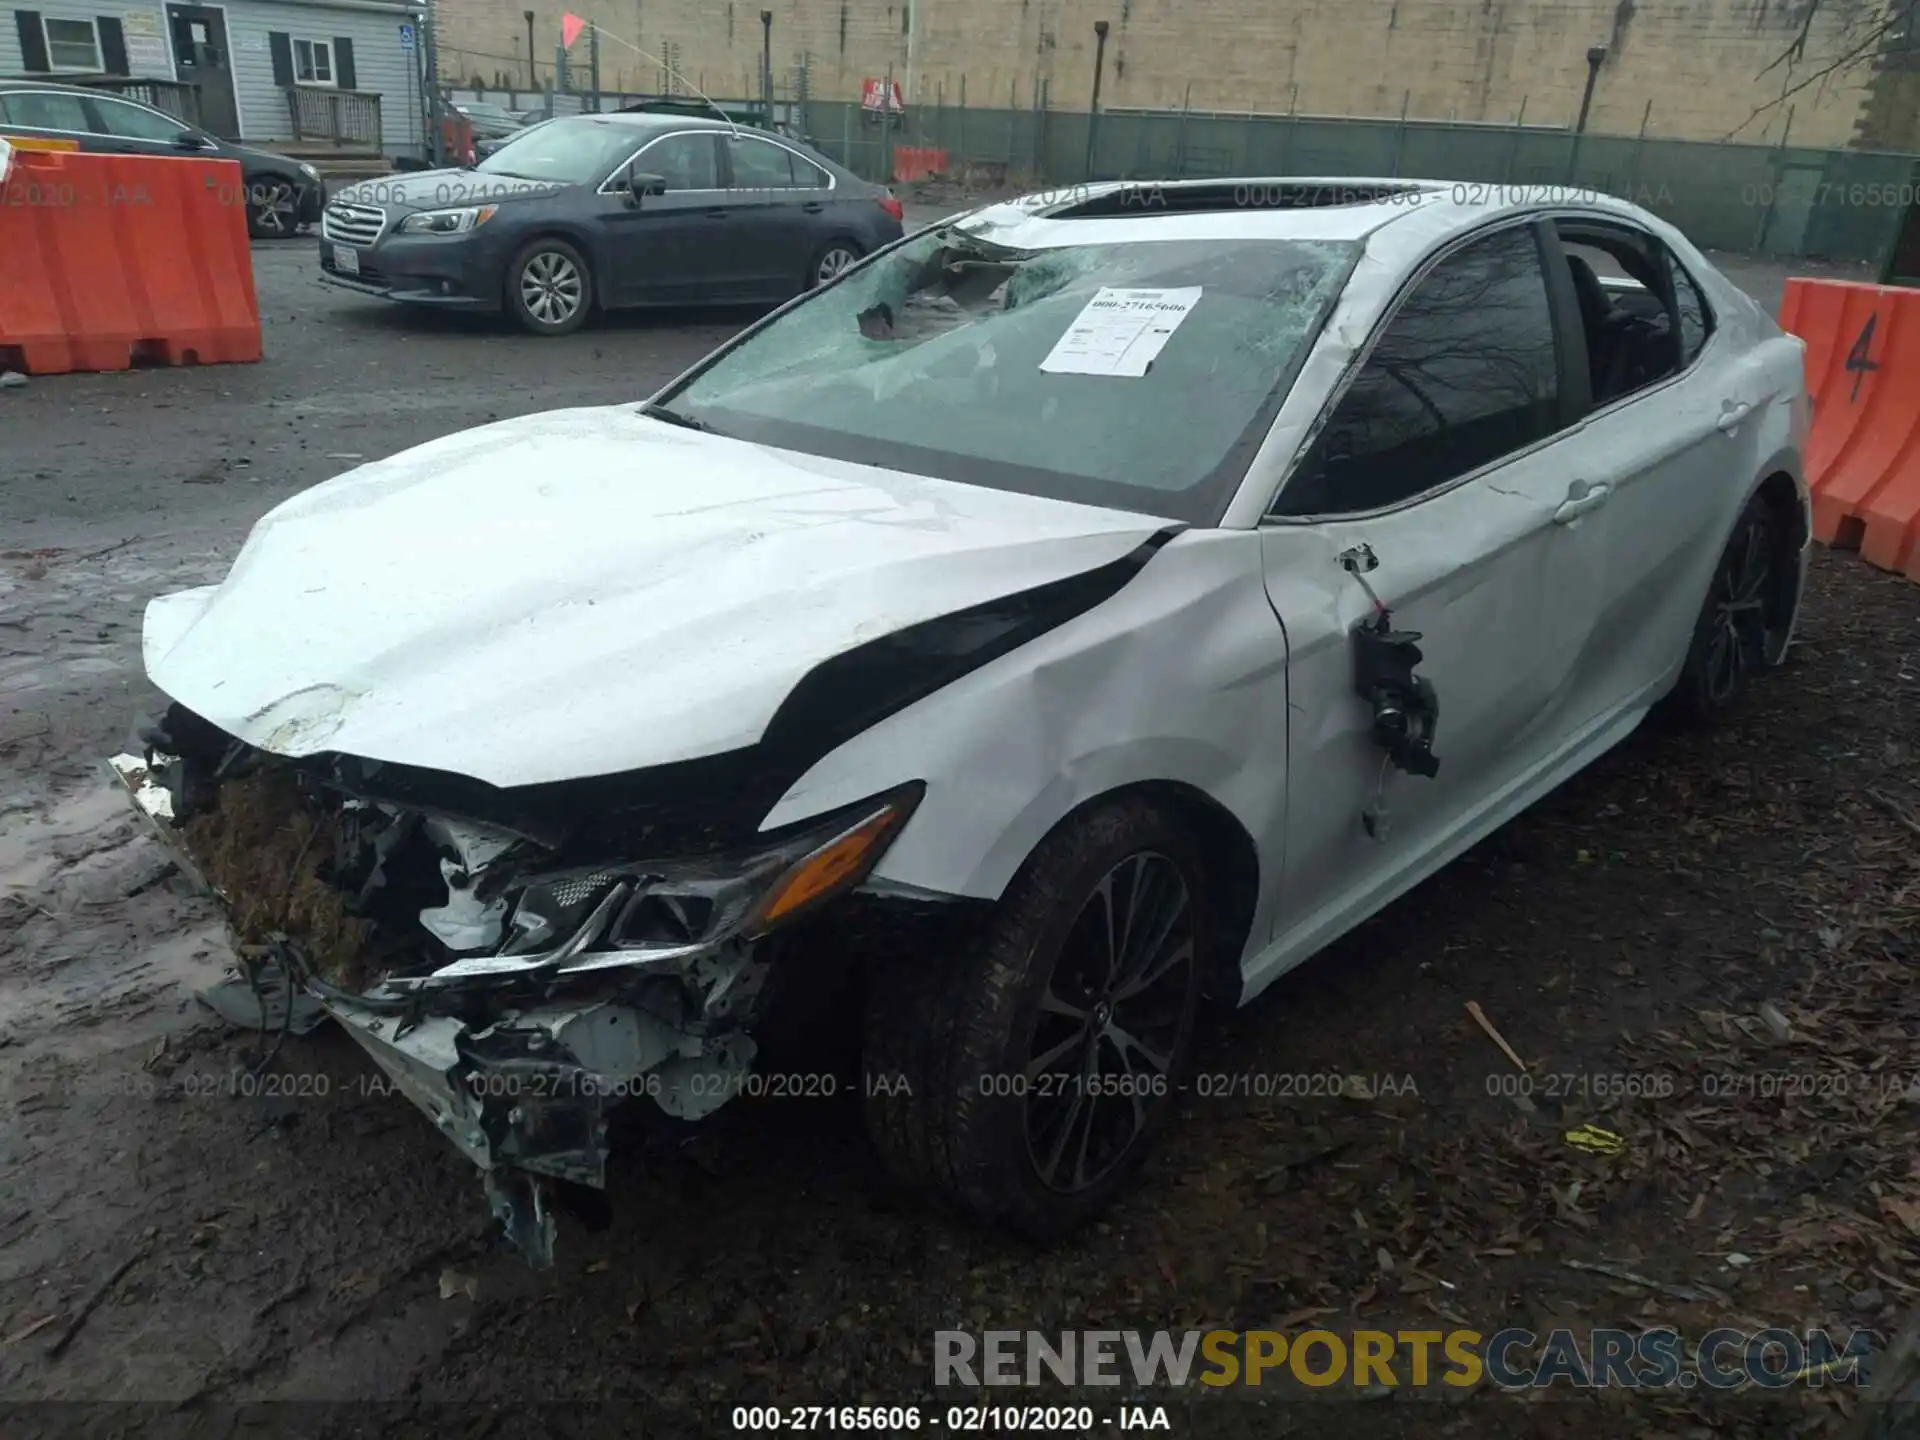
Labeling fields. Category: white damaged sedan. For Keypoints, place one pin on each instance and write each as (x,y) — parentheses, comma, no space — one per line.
(1115,597)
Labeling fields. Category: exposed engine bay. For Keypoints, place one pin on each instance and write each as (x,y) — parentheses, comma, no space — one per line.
(510,986)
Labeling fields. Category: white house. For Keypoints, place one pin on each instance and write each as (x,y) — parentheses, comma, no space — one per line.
(322,76)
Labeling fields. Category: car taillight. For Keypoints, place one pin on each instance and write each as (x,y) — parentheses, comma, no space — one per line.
(893,207)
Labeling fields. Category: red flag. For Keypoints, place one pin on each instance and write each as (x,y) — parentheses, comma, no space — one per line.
(570,28)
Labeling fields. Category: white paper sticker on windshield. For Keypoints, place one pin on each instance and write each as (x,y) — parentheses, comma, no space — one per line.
(1121,331)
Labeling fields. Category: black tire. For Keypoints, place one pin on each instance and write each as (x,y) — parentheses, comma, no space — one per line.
(273,208)
(948,1037)
(1744,620)
(830,259)
(549,287)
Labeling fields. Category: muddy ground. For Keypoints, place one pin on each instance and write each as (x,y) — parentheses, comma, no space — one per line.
(1654,928)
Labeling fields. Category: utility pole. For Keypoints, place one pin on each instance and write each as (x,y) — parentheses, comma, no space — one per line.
(1093,108)
(532,83)
(593,63)
(1594,56)
(430,62)
(766,67)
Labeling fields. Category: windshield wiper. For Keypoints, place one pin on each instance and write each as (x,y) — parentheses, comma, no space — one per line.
(674,417)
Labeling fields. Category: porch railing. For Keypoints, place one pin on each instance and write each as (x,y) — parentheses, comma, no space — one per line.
(347,119)
(178,99)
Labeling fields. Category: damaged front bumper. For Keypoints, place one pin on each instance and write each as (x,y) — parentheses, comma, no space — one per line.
(525,1008)
(526,1097)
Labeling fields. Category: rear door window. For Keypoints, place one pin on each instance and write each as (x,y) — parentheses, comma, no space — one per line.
(758,165)
(46,110)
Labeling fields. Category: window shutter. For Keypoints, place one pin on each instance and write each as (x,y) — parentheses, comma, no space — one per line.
(33,41)
(280,45)
(113,45)
(343,75)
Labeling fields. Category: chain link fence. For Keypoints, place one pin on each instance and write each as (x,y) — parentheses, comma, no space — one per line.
(1767,199)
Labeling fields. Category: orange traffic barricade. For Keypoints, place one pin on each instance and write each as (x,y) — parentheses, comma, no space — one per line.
(1863,457)
(118,260)
(456,136)
(917,162)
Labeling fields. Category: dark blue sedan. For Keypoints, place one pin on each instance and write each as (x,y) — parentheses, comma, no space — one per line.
(607,212)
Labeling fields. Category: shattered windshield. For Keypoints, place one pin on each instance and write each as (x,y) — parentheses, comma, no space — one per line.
(1139,376)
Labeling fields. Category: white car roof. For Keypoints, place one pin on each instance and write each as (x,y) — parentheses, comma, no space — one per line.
(1408,218)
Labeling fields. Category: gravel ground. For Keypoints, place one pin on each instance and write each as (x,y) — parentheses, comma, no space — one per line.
(1656,926)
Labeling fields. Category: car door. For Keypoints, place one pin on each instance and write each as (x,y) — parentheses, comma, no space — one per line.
(54,118)
(1438,487)
(774,197)
(124,128)
(662,250)
(1669,451)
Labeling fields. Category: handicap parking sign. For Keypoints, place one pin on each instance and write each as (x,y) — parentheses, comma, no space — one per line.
(406,37)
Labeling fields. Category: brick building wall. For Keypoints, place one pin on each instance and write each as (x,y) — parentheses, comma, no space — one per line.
(1699,63)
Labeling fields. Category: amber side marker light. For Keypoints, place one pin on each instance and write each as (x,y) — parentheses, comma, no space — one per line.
(838,865)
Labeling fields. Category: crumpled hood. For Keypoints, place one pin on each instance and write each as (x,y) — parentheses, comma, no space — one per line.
(585,591)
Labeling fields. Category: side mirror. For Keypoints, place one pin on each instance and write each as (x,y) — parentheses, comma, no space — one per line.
(191,140)
(641,184)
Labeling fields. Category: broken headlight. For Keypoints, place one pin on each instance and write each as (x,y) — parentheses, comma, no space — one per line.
(626,914)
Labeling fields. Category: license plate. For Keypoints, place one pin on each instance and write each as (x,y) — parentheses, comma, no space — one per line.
(346,261)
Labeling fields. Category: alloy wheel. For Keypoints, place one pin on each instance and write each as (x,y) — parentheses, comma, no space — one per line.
(1741,588)
(274,208)
(551,288)
(1110,1024)
(837,259)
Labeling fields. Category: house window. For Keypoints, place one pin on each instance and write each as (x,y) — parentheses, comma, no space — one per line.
(312,62)
(72,45)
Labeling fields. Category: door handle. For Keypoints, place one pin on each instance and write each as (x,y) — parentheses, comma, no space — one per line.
(813,207)
(1731,414)
(718,214)
(1582,499)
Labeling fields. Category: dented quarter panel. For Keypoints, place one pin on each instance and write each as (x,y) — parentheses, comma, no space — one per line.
(585,592)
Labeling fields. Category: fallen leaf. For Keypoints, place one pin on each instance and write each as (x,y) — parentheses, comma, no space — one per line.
(34,1329)
(1907,1212)
(1300,1317)
(454,1282)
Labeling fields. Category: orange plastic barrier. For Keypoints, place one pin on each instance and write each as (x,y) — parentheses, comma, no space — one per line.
(1863,457)
(118,260)
(916,162)
(456,136)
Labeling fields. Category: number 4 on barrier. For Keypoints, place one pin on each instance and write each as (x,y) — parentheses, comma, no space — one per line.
(1857,362)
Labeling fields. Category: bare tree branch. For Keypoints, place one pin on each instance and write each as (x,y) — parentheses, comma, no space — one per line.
(1868,44)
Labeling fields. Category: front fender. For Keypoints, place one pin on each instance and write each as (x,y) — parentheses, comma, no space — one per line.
(1180,677)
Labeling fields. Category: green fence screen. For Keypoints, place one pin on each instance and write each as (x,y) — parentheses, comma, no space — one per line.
(1770,199)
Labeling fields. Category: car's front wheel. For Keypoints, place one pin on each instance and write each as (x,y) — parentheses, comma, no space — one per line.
(1745,620)
(549,289)
(1026,1075)
(273,208)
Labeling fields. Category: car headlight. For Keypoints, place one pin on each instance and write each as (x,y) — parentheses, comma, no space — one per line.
(447,222)
(700,902)
(611,915)
(309,171)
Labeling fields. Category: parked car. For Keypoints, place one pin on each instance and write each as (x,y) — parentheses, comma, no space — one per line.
(1113,596)
(493,125)
(282,194)
(604,212)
